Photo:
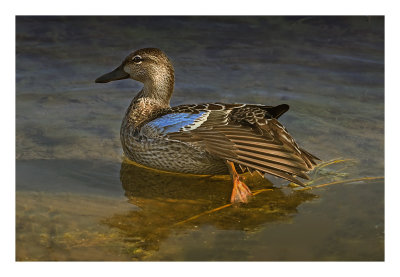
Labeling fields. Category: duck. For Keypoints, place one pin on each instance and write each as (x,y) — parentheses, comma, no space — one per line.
(205,139)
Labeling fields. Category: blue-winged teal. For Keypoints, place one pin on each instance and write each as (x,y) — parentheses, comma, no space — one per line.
(203,138)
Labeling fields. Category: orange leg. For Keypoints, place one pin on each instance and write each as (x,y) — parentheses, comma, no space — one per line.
(240,192)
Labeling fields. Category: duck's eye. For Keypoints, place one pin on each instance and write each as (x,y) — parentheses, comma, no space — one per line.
(137,59)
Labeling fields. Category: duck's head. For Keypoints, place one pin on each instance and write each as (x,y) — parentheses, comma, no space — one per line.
(149,66)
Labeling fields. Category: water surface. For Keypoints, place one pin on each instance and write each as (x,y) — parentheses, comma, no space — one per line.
(78,199)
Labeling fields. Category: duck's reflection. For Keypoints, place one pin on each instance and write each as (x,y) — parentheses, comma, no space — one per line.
(166,199)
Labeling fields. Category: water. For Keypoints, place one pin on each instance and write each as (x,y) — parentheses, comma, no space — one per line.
(78,199)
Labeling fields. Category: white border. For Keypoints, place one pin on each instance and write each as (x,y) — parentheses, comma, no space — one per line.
(123,7)
(203,7)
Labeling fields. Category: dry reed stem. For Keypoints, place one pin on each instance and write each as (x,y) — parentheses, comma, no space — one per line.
(263,190)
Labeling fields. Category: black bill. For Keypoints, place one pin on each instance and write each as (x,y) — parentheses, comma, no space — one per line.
(116,74)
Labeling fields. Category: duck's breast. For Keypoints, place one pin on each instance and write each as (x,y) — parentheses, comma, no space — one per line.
(150,146)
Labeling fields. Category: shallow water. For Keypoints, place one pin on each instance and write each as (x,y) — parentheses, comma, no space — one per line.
(78,199)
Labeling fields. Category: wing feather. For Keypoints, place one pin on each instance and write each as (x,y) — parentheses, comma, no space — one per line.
(251,137)
(271,171)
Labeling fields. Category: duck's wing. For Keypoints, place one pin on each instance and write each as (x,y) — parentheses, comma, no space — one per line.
(184,118)
(248,135)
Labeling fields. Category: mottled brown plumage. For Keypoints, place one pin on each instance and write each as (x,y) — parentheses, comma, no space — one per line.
(203,138)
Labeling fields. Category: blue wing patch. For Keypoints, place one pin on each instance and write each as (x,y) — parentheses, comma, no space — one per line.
(174,122)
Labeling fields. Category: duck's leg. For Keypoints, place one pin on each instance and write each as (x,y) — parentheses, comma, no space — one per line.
(240,192)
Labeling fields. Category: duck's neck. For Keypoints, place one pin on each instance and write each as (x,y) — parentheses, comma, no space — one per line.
(159,87)
(142,109)
(147,103)
(154,96)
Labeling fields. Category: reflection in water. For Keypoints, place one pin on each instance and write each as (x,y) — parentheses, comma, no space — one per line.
(168,198)
(146,227)
(330,70)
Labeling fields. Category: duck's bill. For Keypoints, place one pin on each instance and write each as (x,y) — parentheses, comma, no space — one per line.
(116,74)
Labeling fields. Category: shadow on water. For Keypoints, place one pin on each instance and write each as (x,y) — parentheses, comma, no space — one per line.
(165,199)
